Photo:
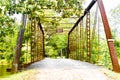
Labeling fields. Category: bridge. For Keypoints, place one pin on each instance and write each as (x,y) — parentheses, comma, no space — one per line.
(80,39)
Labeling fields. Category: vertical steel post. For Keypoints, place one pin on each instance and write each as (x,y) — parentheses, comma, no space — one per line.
(88,36)
(43,54)
(77,43)
(81,53)
(35,41)
(38,42)
(32,40)
(98,38)
(42,40)
(68,46)
(43,46)
(82,40)
(111,47)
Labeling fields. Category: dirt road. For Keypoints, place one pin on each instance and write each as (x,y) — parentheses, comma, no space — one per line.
(67,69)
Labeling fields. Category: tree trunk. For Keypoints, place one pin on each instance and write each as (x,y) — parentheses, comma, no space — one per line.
(16,59)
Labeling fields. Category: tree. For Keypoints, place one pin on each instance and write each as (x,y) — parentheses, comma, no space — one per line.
(55,43)
(7,31)
(35,9)
(115,27)
(115,20)
(16,59)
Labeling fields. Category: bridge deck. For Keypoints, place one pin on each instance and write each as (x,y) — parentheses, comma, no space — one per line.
(67,69)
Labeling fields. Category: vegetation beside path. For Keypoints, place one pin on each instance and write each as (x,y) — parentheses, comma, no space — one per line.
(25,75)
(111,74)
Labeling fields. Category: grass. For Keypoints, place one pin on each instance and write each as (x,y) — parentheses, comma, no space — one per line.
(25,75)
(111,74)
(4,62)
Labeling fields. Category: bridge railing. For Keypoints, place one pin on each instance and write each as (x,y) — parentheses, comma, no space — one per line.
(82,36)
(37,41)
(33,49)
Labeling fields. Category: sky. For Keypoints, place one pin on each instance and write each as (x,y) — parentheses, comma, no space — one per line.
(109,4)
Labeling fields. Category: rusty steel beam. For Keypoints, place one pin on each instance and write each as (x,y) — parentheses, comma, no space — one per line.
(68,46)
(88,36)
(76,24)
(81,18)
(32,40)
(39,41)
(82,41)
(35,57)
(77,42)
(85,12)
(57,17)
(110,42)
(41,29)
(39,23)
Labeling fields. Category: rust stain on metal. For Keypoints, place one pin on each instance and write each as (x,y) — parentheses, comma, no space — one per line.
(112,50)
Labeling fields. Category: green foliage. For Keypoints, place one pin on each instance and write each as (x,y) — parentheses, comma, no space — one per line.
(7,37)
(55,43)
(51,52)
(115,28)
(99,52)
(117,46)
(115,21)
(8,29)
(20,75)
(35,9)
(115,14)
(7,46)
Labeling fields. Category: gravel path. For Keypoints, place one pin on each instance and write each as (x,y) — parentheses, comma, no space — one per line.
(67,69)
